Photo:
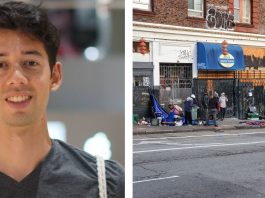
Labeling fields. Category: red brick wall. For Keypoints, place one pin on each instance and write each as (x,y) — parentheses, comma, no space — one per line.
(261,28)
(254,27)
(175,12)
(170,12)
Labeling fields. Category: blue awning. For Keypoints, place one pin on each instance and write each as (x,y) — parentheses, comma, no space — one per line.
(210,57)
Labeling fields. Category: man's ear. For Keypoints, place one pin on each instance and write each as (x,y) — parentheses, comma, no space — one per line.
(57,76)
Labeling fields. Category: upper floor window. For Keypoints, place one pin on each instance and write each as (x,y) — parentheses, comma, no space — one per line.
(142,5)
(195,8)
(242,11)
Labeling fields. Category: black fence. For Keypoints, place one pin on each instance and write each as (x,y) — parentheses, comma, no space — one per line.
(238,94)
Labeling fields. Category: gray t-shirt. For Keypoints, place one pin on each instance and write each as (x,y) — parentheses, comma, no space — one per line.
(68,172)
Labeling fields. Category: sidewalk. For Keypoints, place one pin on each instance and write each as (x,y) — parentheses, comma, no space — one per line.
(227,124)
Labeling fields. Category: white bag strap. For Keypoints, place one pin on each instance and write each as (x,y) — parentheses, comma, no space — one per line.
(102,185)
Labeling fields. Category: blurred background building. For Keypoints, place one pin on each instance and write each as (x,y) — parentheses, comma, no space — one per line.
(88,110)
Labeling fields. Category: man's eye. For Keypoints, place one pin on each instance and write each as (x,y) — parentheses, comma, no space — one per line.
(30,63)
(3,65)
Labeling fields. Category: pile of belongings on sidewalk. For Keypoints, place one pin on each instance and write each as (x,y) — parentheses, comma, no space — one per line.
(254,123)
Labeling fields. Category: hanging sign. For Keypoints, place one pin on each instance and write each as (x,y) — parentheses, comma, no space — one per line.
(226,60)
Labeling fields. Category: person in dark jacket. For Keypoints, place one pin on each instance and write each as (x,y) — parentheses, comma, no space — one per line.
(187,108)
(205,105)
(213,108)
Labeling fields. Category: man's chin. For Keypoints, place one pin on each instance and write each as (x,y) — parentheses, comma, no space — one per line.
(20,121)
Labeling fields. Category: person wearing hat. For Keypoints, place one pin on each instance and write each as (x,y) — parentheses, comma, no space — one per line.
(223,104)
(195,101)
(195,104)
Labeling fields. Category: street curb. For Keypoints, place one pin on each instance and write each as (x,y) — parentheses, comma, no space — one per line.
(183,130)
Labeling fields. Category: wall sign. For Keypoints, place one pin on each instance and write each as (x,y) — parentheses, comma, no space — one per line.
(226,61)
(172,51)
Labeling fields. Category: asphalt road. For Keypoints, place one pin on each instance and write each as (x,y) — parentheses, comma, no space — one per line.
(228,164)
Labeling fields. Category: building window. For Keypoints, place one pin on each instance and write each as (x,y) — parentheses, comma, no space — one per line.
(142,5)
(242,9)
(141,81)
(176,74)
(195,8)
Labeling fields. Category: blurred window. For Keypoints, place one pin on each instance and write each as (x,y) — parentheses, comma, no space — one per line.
(142,5)
(99,145)
(82,24)
(57,130)
(195,8)
(139,81)
(77,33)
(242,11)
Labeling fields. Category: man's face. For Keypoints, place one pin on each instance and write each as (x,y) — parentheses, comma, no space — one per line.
(25,79)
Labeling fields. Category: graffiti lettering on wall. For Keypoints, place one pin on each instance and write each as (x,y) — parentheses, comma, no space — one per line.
(219,19)
(184,54)
(254,57)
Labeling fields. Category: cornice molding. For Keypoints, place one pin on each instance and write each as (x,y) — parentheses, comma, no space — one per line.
(153,31)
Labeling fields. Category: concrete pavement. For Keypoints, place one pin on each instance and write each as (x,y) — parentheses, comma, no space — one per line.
(227,124)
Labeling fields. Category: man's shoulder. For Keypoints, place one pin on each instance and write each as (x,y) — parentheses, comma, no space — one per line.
(85,161)
(82,158)
(67,165)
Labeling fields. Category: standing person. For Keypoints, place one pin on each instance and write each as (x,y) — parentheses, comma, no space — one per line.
(196,106)
(222,102)
(187,109)
(194,100)
(213,108)
(216,95)
(32,164)
(205,105)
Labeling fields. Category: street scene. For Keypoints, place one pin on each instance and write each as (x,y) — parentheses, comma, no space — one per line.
(198,98)
(200,164)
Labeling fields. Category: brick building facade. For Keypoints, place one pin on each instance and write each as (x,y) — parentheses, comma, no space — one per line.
(176,13)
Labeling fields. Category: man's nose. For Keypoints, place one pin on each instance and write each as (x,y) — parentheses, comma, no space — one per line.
(17,77)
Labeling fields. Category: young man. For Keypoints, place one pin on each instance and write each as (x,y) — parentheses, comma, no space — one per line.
(31,164)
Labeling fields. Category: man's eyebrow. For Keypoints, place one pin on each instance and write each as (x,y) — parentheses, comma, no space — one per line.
(33,52)
(3,54)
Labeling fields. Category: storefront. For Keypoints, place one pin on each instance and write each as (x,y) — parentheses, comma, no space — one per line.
(218,65)
(142,81)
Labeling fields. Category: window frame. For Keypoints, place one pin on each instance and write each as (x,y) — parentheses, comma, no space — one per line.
(202,11)
(150,6)
(243,10)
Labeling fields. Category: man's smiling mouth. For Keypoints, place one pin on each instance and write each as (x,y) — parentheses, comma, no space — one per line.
(17,99)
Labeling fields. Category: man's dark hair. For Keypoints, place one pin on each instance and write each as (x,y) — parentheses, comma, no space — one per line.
(32,20)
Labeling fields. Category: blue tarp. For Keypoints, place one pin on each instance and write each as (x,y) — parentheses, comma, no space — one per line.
(208,57)
(158,110)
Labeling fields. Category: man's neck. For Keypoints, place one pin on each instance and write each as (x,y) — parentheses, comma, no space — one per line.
(22,150)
